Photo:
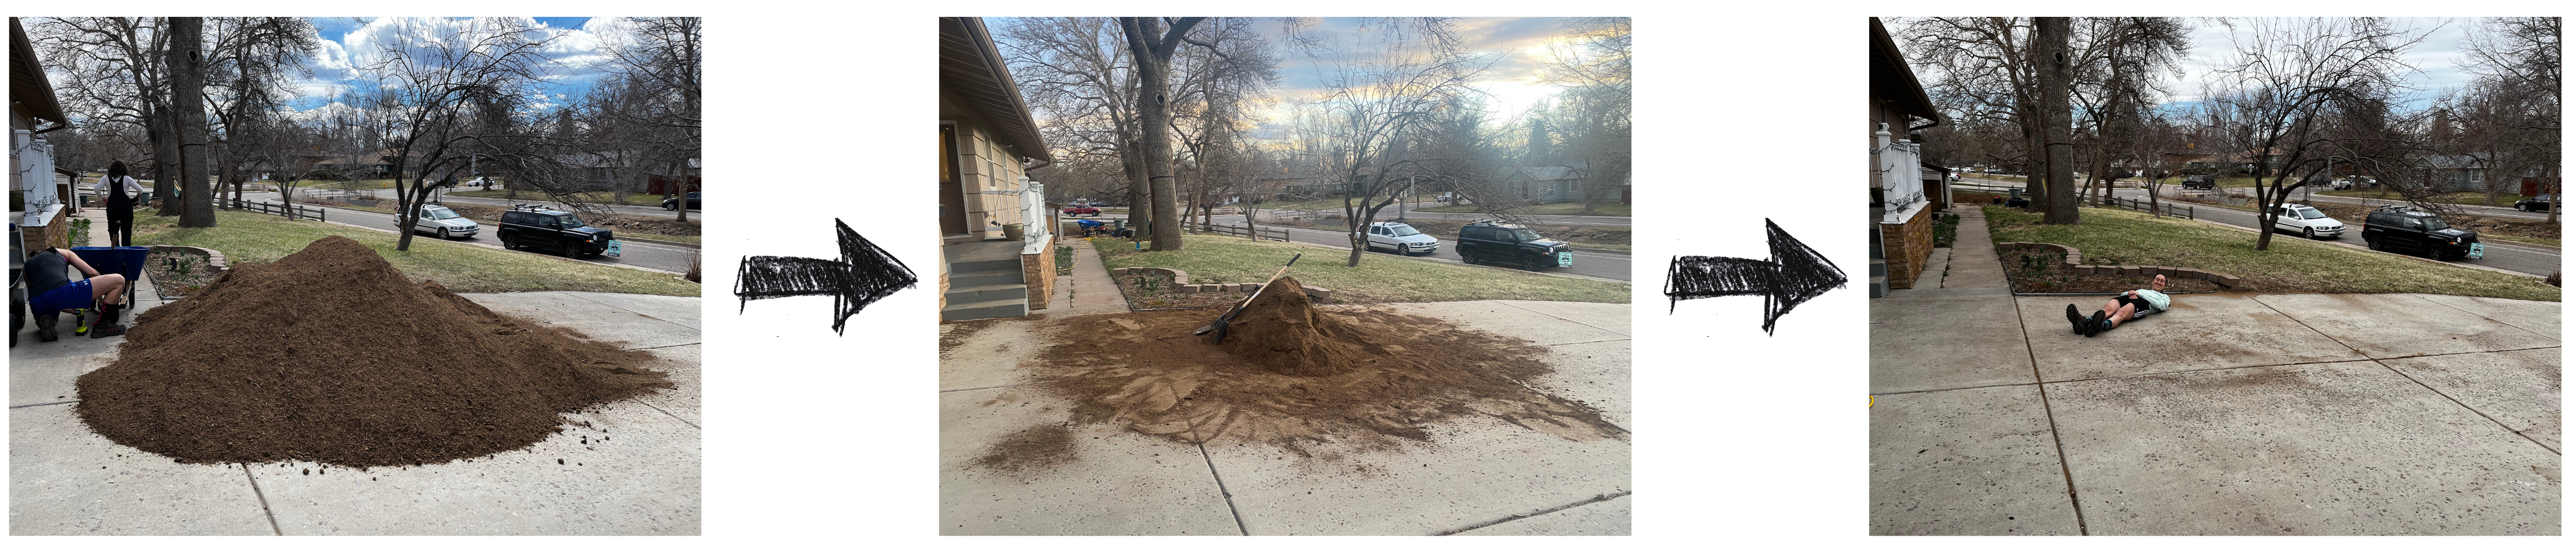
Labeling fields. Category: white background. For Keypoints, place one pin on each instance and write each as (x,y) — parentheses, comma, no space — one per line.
(1748,110)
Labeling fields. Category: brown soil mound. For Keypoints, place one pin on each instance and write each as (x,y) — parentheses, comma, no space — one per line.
(1392,379)
(344,362)
(1282,331)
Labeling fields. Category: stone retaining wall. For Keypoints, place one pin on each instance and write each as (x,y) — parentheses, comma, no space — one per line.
(1180,283)
(214,259)
(2073,263)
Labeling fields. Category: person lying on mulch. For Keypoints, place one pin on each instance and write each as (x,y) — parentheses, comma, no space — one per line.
(2129,306)
(52,291)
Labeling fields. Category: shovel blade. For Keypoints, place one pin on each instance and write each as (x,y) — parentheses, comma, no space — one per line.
(1219,327)
(1203,330)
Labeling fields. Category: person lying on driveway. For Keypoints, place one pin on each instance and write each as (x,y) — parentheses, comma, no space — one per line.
(2128,306)
(53,291)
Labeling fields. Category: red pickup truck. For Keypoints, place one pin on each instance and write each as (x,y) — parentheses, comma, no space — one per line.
(1082,211)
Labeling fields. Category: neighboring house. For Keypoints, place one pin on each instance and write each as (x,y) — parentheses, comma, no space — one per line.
(39,192)
(359,166)
(1549,184)
(2457,173)
(1901,211)
(996,238)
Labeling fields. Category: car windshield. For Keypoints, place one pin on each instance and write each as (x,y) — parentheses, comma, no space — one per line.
(1402,229)
(1526,234)
(438,213)
(2308,213)
(2434,223)
(570,221)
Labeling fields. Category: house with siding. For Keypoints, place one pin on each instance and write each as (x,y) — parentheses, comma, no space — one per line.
(996,236)
(1901,205)
(39,192)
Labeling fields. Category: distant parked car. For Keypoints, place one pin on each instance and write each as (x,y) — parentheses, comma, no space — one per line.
(1494,240)
(673,203)
(2200,182)
(1082,211)
(2533,204)
(1401,237)
(2307,221)
(440,220)
(2406,228)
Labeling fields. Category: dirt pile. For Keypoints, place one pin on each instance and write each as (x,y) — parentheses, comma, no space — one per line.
(1295,375)
(330,355)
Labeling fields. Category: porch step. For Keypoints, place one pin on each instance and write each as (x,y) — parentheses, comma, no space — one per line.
(1003,308)
(1877,287)
(1010,264)
(962,279)
(995,292)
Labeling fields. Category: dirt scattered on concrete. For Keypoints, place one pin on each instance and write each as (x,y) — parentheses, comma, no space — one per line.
(330,355)
(958,332)
(1294,375)
(1035,448)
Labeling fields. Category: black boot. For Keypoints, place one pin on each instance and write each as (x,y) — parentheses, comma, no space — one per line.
(107,326)
(45,326)
(2077,320)
(2093,324)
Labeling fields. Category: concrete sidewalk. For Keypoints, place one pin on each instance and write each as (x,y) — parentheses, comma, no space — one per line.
(2303,414)
(66,480)
(1476,476)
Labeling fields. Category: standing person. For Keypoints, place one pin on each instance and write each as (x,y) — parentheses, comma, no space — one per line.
(121,191)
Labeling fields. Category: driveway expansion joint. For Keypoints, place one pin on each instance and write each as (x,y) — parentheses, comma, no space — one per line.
(1221,490)
(1579,322)
(1518,517)
(44,404)
(263,500)
(2465,406)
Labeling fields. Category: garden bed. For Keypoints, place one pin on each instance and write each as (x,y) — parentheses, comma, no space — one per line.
(2037,271)
(178,273)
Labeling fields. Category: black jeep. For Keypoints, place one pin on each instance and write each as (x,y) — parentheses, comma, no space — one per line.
(1495,240)
(2405,228)
(533,225)
(2200,182)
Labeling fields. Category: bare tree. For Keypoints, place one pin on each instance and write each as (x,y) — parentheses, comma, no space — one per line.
(1382,82)
(2282,85)
(1152,45)
(660,59)
(434,81)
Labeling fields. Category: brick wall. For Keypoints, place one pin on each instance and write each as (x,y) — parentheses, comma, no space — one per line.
(1039,272)
(1908,246)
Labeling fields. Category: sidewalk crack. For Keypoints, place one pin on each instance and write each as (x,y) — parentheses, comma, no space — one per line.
(1576,322)
(263,500)
(1518,517)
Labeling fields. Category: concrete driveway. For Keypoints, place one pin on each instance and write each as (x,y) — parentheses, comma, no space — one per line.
(1474,477)
(2303,414)
(66,480)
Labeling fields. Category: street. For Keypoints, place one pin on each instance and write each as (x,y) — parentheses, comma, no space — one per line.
(648,255)
(1588,263)
(2526,259)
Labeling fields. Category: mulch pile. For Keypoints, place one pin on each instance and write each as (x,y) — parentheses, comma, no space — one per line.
(331,355)
(1293,375)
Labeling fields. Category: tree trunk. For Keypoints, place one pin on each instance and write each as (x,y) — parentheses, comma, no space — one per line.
(1140,192)
(188,106)
(1153,56)
(165,161)
(2057,74)
(2035,172)
(678,189)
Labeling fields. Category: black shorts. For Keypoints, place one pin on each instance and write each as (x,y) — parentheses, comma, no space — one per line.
(2141,304)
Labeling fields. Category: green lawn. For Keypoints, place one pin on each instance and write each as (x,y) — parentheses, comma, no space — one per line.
(2121,237)
(256,238)
(605,198)
(1378,279)
(1607,208)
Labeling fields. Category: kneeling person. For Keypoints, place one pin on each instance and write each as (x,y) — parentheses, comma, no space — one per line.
(52,291)
(2128,306)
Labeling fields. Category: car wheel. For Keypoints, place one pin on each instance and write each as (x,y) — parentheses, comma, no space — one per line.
(1529,263)
(510,243)
(2370,244)
(442,234)
(569,250)
(2310,233)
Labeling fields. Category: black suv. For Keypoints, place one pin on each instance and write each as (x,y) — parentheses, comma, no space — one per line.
(2200,182)
(2533,204)
(2407,229)
(531,225)
(1495,240)
(673,203)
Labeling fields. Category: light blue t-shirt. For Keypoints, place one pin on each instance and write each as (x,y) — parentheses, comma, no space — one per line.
(2156,299)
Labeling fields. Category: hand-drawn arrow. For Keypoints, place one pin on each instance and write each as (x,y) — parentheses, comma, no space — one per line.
(863,274)
(1794,274)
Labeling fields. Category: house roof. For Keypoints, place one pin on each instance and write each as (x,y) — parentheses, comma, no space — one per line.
(972,68)
(28,86)
(1553,172)
(2463,161)
(1892,80)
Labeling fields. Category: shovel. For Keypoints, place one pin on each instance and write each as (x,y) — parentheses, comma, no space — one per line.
(1222,321)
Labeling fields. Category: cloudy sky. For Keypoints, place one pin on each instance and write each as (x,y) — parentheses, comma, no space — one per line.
(2436,58)
(1514,44)
(351,43)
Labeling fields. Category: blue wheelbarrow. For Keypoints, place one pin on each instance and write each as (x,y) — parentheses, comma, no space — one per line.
(120,260)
